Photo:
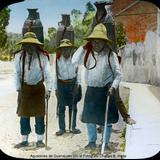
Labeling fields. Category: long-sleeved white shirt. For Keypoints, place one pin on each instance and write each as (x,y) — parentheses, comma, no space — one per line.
(101,74)
(66,70)
(34,75)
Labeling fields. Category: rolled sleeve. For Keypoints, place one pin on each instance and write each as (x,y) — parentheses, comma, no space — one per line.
(78,56)
(54,78)
(79,76)
(47,73)
(116,70)
(17,72)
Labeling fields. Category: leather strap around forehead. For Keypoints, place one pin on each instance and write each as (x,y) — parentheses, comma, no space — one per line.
(64,30)
(100,19)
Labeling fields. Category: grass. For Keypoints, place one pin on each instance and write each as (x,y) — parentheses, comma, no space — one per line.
(123,135)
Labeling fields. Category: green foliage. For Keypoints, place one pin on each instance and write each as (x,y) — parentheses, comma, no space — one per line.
(81,22)
(76,17)
(121,35)
(50,40)
(89,7)
(4,21)
(6,53)
(123,136)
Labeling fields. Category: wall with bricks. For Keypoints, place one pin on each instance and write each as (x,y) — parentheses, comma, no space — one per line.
(141,54)
(137,20)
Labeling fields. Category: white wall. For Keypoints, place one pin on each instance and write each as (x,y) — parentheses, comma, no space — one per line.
(141,61)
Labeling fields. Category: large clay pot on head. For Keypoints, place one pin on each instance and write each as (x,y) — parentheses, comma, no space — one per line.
(65,30)
(33,24)
(104,15)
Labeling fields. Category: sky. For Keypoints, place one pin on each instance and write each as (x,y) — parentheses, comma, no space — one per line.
(50,12)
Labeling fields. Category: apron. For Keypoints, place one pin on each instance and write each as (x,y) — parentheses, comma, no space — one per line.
(95,106)
(31,100)
(66,95)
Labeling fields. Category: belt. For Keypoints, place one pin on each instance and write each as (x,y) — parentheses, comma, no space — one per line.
(67,80)
(39,83)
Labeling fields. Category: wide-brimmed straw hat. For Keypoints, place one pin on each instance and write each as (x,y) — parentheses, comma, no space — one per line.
(99,32)
(30,37)
(65,43)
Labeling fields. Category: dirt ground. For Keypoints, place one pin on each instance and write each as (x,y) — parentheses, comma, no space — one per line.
(66,146)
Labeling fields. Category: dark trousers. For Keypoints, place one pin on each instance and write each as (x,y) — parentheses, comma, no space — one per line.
(62,116)
(26,127)
(121,105)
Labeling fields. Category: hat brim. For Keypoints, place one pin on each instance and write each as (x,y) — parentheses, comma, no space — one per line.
(65,46)
(30,40)
(99,38)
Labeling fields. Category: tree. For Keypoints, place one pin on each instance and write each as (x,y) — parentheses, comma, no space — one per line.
(50,40)
(76,17)
(89,7)
(4,21)
(121,35)
(81,22)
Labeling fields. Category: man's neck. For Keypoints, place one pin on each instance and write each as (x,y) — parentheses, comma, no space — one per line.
(67,58)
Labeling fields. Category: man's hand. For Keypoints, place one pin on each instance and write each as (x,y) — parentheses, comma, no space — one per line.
(18,90)
(56,92)
(111,91)
(48,94)
(76,89)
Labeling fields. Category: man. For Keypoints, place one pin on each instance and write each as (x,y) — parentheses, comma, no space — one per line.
(100,61)
(121,106)
(66,81)
(104,16)
(32,69)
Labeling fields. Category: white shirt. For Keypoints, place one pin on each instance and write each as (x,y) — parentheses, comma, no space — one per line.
(34,75)
(101,74)
(66,70)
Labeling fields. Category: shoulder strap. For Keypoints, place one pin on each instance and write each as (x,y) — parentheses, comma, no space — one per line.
(43,51)
(14,53)
(99,20)
(110,62)
(23,66)
(58,54)
(40,64)
(57,68)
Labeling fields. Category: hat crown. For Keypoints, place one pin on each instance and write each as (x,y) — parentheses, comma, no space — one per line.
(30,35)
(65,41)
(100,28)
(99,32)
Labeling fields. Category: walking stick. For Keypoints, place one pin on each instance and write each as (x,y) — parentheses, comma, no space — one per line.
(70,117)
(57,109)
(105,126)
(46,124)
(72,111)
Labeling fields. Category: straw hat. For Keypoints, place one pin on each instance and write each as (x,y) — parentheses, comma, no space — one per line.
(99,32)
(30,37)
(65,43)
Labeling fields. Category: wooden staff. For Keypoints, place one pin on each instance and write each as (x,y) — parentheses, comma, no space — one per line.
(105,127)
